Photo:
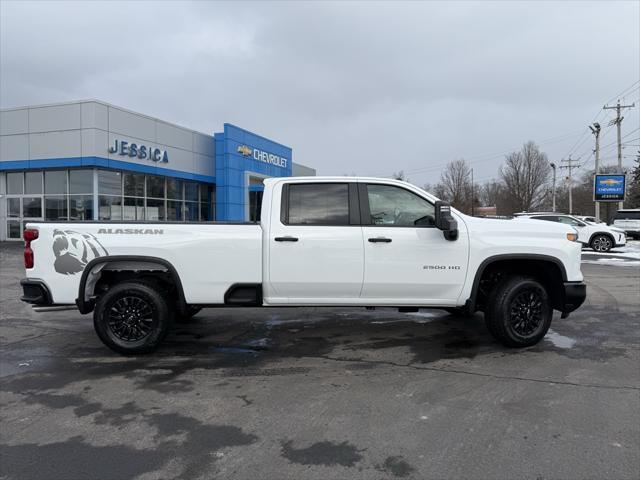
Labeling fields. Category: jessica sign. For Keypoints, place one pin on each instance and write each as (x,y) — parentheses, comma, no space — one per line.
(142,152)
(609,188)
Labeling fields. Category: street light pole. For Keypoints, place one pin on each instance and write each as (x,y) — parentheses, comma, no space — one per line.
(553,165)
(596,131)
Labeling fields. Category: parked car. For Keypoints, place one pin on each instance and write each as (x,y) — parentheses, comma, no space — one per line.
(598,236)
(629,221)
(589,219)
(321,241)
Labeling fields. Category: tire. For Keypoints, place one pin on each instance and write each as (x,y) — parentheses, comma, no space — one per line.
(601,243)
(132,318)
(519,312)
(191,311)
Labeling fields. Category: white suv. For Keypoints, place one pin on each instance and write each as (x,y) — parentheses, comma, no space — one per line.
(629,221)
(598,236)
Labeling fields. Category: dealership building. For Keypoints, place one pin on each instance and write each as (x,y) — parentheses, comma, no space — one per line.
(89,160)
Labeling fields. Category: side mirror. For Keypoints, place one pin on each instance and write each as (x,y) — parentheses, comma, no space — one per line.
(445,221)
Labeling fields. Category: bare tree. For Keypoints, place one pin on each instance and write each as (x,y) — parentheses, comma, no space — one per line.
(456,183)
(437,190)
(491,193)
(525,175)
(400,176)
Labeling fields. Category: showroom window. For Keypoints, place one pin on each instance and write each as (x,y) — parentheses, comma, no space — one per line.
(133,187)
(55,191)
(174,199)
(109,195)
(33,183)
(155,198)
(71,194)
(81,195)
(15,185)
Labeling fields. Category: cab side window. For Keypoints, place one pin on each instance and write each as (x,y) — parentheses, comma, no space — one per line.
(395,206)
(318,204)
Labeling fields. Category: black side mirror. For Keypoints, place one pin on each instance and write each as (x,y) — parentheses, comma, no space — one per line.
(445,221)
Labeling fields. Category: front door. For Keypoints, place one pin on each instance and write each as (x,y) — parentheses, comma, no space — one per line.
(407,260)
(315,245)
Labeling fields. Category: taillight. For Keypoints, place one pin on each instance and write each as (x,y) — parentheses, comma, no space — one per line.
(29,235)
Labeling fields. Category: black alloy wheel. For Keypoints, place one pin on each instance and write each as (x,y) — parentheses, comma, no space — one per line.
(526,312)
(130,318)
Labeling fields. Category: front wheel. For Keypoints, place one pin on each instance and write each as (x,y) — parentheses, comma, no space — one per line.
(519,311)
(601,243)
(132,318)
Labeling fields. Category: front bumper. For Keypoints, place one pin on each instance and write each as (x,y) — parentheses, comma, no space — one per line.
(574,295)
(35,292)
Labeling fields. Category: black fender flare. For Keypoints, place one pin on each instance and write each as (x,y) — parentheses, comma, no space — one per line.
(87,306)
(470,304)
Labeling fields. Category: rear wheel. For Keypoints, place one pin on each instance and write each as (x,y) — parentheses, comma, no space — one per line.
(132,318)
(601,243)
(519,311)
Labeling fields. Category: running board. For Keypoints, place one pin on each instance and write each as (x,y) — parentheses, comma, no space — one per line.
(55,308)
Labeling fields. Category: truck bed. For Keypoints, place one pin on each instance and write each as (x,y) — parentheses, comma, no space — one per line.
(232,251)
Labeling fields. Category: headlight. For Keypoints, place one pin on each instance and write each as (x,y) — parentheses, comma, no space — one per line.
(572,237)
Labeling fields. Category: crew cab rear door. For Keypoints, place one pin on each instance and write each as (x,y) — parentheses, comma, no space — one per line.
(315,244)
(407,259)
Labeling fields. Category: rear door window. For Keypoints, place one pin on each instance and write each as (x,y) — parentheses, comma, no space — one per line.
(318,204)
(548,218)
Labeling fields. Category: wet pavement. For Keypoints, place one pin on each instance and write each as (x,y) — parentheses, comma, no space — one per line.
(323,394)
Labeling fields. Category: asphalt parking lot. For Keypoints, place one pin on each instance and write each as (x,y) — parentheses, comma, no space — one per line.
(324,394)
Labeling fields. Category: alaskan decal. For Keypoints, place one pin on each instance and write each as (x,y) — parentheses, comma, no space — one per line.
(73,250)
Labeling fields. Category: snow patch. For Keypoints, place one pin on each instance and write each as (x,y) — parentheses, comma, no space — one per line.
(558,340)
(619,262)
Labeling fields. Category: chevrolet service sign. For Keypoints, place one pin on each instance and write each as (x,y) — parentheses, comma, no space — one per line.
(609,188)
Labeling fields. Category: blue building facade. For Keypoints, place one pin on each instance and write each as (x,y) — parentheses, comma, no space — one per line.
(89,160)
(243,159)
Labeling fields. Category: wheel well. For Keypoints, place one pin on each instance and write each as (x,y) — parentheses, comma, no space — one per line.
(606,234)
(103,273)
(547,272)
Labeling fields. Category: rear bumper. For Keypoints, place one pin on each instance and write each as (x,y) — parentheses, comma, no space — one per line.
(574,295)
(35,292)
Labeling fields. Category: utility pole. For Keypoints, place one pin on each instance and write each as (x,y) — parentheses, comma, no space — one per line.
(553,165)
(570,165)
(618,123)
(472,194)
(595,129)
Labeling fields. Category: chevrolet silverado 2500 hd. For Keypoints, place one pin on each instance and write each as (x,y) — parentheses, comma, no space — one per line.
(322,241)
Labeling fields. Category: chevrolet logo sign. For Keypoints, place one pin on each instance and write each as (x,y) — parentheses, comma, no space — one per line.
(610,181)
(244,150)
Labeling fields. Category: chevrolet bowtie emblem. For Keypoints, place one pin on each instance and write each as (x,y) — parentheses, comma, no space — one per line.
(610,181)
(244,150)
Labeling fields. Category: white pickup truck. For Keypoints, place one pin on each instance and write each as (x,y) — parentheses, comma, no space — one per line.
(322,241)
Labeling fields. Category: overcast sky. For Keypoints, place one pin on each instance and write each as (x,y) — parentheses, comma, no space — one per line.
(366,87)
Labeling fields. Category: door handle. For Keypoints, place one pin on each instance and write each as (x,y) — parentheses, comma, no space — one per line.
(380,240)
(286,239)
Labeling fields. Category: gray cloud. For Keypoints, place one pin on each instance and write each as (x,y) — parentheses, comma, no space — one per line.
(363,87)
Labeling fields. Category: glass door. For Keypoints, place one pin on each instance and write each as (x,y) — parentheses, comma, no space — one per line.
(20,211)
